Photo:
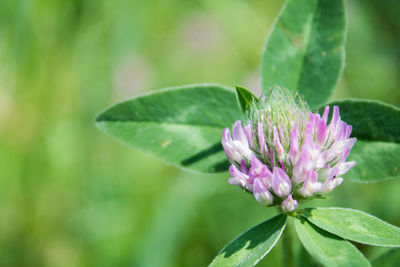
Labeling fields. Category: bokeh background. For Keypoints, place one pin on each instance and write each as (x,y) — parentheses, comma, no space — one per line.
(72,196)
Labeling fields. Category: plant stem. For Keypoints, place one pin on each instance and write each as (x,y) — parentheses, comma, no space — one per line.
(287,245)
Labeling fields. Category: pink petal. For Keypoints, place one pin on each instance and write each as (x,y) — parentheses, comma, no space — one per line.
(279,147)
(281,183)
(294,145)
(238,133)
(261,138)
(249,136)
(261,193)
(344,167)
(325,115)
(289,204)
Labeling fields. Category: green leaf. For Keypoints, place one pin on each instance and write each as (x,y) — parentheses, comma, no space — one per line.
(388,259)
(376,161)
(305,49)
(355,225)
(181,125)
(251,246)
(245,98)
(326,248)
(371,119)
(376,126)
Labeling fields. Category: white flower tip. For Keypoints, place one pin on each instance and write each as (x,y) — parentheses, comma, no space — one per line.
(261,193)
(289,204)
(233,181)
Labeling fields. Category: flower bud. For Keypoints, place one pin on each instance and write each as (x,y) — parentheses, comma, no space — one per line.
(289,204)
(238,177)
(260,171)
(279,148)
(281,182)
(311,184)
(236,148)
(261,193)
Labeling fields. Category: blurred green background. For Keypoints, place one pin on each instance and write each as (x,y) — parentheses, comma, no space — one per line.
(71,196)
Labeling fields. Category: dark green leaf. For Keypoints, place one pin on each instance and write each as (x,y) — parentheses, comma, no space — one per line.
(355,225)
(182,125)
(371,119)
(305,49)
(377,128)
(250,247)
(245,98)
(376,161)
(388,259)
(328,249)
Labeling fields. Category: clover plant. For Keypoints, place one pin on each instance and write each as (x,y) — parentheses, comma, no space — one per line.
(287,146)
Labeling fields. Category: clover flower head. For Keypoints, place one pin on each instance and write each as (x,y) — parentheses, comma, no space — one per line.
(283,153)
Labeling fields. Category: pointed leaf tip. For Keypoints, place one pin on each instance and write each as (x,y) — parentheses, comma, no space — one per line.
(245,98)
(251,246)
(306,48)
(355,225)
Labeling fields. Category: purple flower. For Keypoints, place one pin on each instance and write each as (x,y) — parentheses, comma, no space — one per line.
(239,177)
(249,136)
(260,171)
(261,193)
(311,184)
(294,145)
(277,144)
(261,140)
(289,204)
(237,148)
(281,183)
(285,152)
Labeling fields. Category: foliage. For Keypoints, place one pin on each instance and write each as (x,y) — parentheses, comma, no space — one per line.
(72,196)
(305,49)
(304,52)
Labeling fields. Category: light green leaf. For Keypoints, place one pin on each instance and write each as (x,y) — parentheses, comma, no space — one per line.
(245,98)
(251,246)
(181,125)
(326,248)
(377,128)
(305,49)
(355,225)
(388,259)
